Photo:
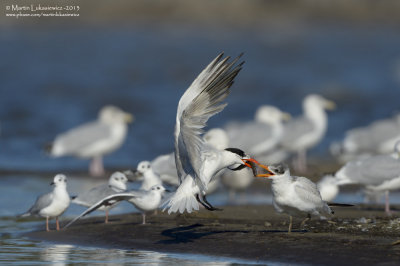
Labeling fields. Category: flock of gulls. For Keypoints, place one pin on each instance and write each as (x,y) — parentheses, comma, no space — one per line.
(203,159)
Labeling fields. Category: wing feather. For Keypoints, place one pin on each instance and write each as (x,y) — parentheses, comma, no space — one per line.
(104,202)
(308,192)
(201,101)
(41,202)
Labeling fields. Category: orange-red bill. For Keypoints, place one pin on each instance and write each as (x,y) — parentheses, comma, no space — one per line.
(251,163)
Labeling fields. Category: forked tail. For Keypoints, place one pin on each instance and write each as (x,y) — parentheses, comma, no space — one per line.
(184,198)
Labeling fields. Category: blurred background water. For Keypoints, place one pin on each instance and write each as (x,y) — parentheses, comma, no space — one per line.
(57,76)
(141,56)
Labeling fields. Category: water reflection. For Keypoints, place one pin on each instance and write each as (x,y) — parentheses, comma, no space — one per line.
(56,254)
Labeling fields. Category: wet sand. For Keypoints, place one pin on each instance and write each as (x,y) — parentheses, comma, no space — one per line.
(357,235)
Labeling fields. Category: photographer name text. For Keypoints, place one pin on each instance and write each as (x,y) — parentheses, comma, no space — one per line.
(39,7)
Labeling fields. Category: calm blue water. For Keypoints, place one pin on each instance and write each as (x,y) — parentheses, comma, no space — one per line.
(52,79)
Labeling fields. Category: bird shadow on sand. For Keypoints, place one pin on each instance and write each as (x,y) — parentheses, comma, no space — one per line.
(190,234)
(185,234)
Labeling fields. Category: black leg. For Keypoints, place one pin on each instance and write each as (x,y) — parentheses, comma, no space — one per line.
(206,204)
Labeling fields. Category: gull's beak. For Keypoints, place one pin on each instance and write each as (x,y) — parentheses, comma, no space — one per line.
(129,118)
(52,183)
(330,105)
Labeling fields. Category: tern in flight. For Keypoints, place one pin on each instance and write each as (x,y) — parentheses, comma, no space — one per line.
(196,161)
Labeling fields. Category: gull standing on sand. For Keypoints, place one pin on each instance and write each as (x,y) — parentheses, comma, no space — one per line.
(379,173)
(52,204)
(116,184)
(295,195)
(304,132)
(145,201)
(94,139)
(197,162)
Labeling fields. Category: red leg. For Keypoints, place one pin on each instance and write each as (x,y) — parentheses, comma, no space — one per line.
(106,221)
(47,224)
(57,224)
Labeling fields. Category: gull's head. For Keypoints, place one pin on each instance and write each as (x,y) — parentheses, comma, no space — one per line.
(59,180)
(217,138)
(118,180)
(317,101)
(143,167)
(268,114)
(158,189)
(112,114)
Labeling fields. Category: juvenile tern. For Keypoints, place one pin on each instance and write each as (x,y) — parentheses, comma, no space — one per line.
(52,204)
(295,195)
(304,132)
(145,201)
(94,139)
(196,162)
(116,184)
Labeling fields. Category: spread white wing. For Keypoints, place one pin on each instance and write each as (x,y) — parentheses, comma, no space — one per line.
(201,100)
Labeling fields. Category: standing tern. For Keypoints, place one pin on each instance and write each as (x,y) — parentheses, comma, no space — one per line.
(94,139)
(295,195)
(197,162)
(145,201)
(116,184)
(52,204)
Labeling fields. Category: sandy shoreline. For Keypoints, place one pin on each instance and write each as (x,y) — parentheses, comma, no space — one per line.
(361,234)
